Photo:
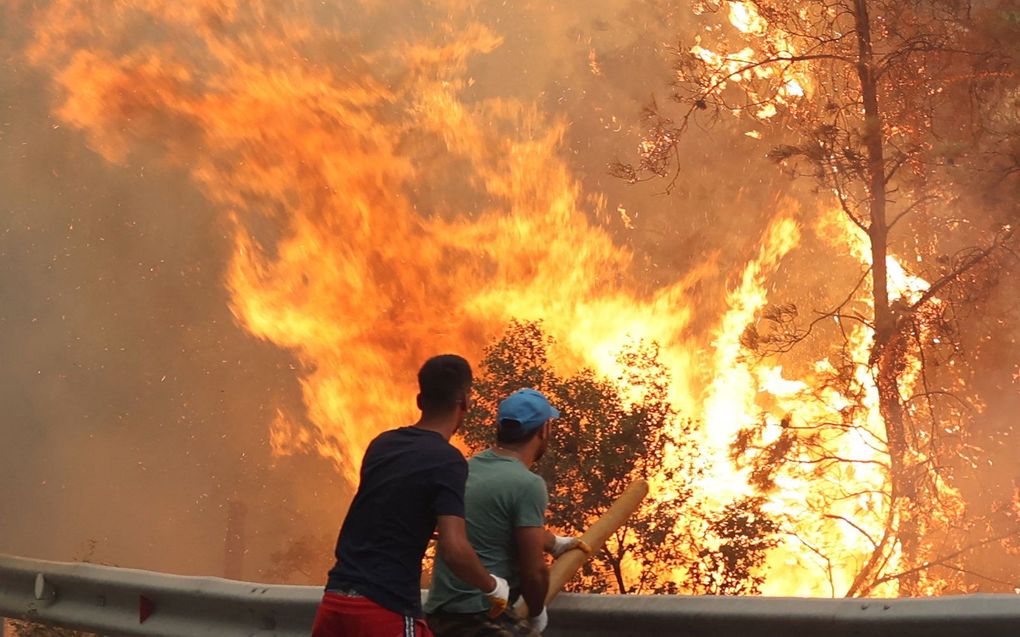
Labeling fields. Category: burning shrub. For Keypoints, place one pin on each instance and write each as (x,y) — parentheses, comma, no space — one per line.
(610,432)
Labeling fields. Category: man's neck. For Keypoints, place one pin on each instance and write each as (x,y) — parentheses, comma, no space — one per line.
(523,454)
(442,425)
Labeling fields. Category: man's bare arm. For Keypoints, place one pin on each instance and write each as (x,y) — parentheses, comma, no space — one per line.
(534,573)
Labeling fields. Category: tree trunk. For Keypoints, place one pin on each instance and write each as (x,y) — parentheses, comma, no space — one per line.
(887,349)
(617,562)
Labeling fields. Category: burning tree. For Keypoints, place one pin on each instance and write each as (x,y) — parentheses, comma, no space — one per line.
(732,566)
(611,432)
(885,104)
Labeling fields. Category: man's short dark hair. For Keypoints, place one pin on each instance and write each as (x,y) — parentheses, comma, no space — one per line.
(511,432)
(442,382)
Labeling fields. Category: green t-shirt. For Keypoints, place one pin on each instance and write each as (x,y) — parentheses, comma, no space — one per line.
(501,495)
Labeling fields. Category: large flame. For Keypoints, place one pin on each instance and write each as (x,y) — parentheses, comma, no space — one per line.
(740,65)
(322,165)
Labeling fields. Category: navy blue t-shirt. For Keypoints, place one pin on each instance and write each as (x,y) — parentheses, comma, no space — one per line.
(408,477)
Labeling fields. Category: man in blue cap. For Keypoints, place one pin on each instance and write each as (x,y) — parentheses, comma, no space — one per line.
(504,508)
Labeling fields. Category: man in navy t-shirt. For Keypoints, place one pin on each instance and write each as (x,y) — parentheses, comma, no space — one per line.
(412,479)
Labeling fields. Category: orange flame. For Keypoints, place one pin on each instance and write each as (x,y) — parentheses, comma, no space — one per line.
(346,258)
(740,66)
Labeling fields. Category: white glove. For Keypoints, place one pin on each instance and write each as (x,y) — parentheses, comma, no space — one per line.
(563,544)
(539,621)
(499,596)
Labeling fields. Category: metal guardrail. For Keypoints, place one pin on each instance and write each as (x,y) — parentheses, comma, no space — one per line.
(121,601)
(118,601)
(956,616)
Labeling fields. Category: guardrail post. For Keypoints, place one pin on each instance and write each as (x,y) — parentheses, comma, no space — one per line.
(44,591)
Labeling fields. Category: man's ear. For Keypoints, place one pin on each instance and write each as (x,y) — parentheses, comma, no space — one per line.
(417,401)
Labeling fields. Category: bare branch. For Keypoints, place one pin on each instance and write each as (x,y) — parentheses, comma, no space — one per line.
(946,558)
(909,209)
(856,526)
(828,562)
(750,66)
(967,264)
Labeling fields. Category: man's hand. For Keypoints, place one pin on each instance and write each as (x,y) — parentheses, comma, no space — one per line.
(563,544)
(499,596)
(539,621)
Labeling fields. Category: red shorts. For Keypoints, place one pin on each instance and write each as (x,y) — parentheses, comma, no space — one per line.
(343,616)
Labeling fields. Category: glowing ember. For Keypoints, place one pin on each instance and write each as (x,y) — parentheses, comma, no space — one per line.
(744,16)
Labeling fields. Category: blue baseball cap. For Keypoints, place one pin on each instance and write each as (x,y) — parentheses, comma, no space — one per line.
(528,407)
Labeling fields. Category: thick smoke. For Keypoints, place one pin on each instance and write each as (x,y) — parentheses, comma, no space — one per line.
(137,408)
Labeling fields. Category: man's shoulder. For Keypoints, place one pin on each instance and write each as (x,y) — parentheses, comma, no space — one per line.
(418,442)
(534,483)
(436,446)
(389,435)
(451,454)
(510,473)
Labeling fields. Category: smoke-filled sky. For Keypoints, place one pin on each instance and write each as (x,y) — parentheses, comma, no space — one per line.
(134,407)
(137,405)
